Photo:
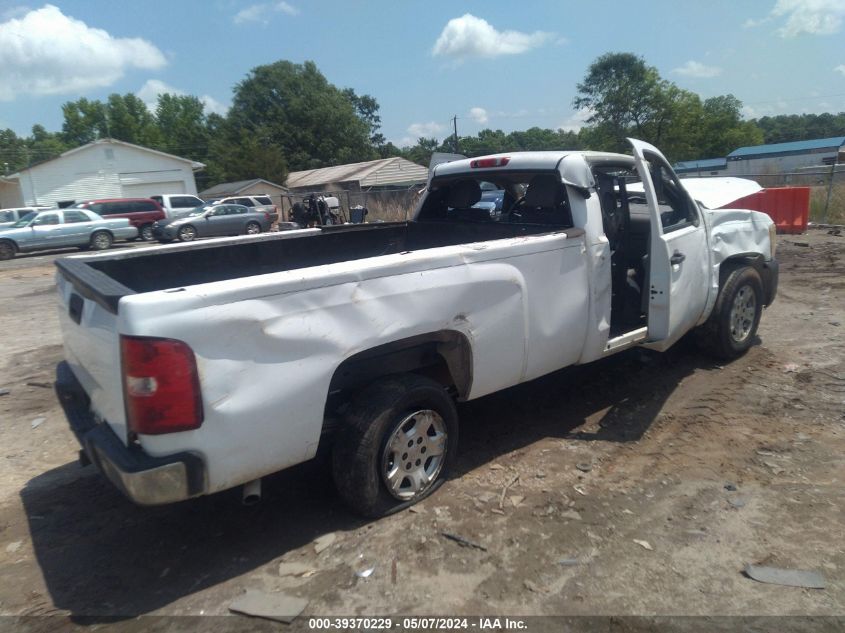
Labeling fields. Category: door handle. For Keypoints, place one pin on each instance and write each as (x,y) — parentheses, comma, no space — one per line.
(677,258)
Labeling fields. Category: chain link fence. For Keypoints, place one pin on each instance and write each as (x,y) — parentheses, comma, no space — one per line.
(826,183)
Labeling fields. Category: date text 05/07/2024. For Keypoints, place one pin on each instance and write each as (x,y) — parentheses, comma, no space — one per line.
(417,624)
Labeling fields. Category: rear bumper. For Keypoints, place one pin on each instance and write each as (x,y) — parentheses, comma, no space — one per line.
(144,479)
(770,274)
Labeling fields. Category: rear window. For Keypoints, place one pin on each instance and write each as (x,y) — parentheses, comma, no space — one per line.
(72,217)
(140,206)
(264,200)
(184,202)
(7,216)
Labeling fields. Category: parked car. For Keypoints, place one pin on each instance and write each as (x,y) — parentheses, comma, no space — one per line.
(254,203)
(360,339)
(177,205)
(63,228)
(9,216)
(141,212)
(212,220)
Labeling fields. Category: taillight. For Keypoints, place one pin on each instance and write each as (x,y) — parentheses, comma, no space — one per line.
(489,162)
(160,385)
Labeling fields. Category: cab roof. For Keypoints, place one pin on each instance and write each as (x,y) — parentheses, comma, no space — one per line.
(574,166)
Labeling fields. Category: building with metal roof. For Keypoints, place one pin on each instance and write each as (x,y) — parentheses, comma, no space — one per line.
(779,158)
(385,173)
(704,167)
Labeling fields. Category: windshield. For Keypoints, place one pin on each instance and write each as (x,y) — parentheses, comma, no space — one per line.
(196,211)
(25,220)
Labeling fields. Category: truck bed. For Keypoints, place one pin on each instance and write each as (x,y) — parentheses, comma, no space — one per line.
(107,279)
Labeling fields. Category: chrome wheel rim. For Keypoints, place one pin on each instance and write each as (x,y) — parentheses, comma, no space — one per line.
(414,454)
(187,233)
(101,240)
(253,229)
(147,233)
(743,311)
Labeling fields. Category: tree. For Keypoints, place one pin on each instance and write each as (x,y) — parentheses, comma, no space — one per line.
(85,121)
(129,119)
(182,126)
(422,151)
(629,98)
(312,122)
(242,154)
(367,109)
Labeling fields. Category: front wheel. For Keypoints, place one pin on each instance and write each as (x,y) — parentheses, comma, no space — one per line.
(187,233)
(7,250)
(396,446)
(253,228)
(146,233)
(101,241)
(732,327)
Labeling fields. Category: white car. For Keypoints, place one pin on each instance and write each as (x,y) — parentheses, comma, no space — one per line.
(177,205)
(9,216)
(254,203)
(199,367)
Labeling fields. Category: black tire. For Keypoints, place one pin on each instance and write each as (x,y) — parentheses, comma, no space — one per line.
(360,448)
(252,228)
(145,233)
(7,250)
(101,241)
(732,327)
(187,233)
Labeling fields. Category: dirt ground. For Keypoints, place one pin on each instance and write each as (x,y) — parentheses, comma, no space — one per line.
(642,484)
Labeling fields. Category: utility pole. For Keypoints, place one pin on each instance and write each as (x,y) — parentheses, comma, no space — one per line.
(455,124)
(830,188)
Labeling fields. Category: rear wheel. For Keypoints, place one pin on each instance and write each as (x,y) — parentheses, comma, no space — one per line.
(101,241)
(187,233)
(732,327)
(253,228)
(146,233)
(7,250)
(396,446)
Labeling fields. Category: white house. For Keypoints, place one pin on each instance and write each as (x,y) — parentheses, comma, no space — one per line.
(103,169)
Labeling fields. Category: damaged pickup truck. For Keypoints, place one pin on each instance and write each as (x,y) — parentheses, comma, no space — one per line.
(195,368)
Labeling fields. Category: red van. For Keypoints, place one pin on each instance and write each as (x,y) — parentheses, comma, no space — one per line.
(141,212)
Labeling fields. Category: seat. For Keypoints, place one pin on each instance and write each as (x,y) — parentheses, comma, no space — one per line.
(463,194)
(544,202)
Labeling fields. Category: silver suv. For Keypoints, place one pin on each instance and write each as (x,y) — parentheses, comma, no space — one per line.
(254,203)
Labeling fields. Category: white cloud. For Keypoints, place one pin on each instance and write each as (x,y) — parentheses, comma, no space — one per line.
(840,69)
(432,128)
(262,12)
(46,52)
(576,121)
(469,36)
(814,17)
(479,115)
(152,88)
(697,70)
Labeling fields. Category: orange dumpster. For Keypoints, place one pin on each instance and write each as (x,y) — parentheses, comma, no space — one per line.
(789,207)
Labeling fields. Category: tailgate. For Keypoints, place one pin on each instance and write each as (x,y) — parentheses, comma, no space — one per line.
(91,347)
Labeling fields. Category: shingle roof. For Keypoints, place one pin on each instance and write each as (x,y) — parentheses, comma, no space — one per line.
(788,148)
(385,171)
(236,187)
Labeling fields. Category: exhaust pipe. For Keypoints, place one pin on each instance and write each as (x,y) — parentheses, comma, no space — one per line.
(251,492)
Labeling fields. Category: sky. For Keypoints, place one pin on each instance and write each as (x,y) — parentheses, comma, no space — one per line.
(506,65)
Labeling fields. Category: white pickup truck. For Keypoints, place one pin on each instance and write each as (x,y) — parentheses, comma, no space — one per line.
(195,368)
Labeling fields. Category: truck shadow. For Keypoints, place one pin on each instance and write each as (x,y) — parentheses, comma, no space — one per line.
(103,557)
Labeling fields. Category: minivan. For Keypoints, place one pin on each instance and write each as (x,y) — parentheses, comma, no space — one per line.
(141,212)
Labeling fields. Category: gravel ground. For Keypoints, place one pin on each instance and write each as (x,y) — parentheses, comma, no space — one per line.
(640,485)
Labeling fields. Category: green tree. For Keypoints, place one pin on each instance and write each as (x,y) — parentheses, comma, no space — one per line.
(296,109)
(242,154)
(84,121)
(182,126)
(422,151)
(367,109)
(130,120)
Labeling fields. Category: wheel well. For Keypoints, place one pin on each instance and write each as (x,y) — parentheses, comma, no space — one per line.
(445,357)
(12,242)
(755,260)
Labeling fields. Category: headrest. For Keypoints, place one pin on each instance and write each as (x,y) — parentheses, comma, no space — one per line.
(544,190)
(464,193)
